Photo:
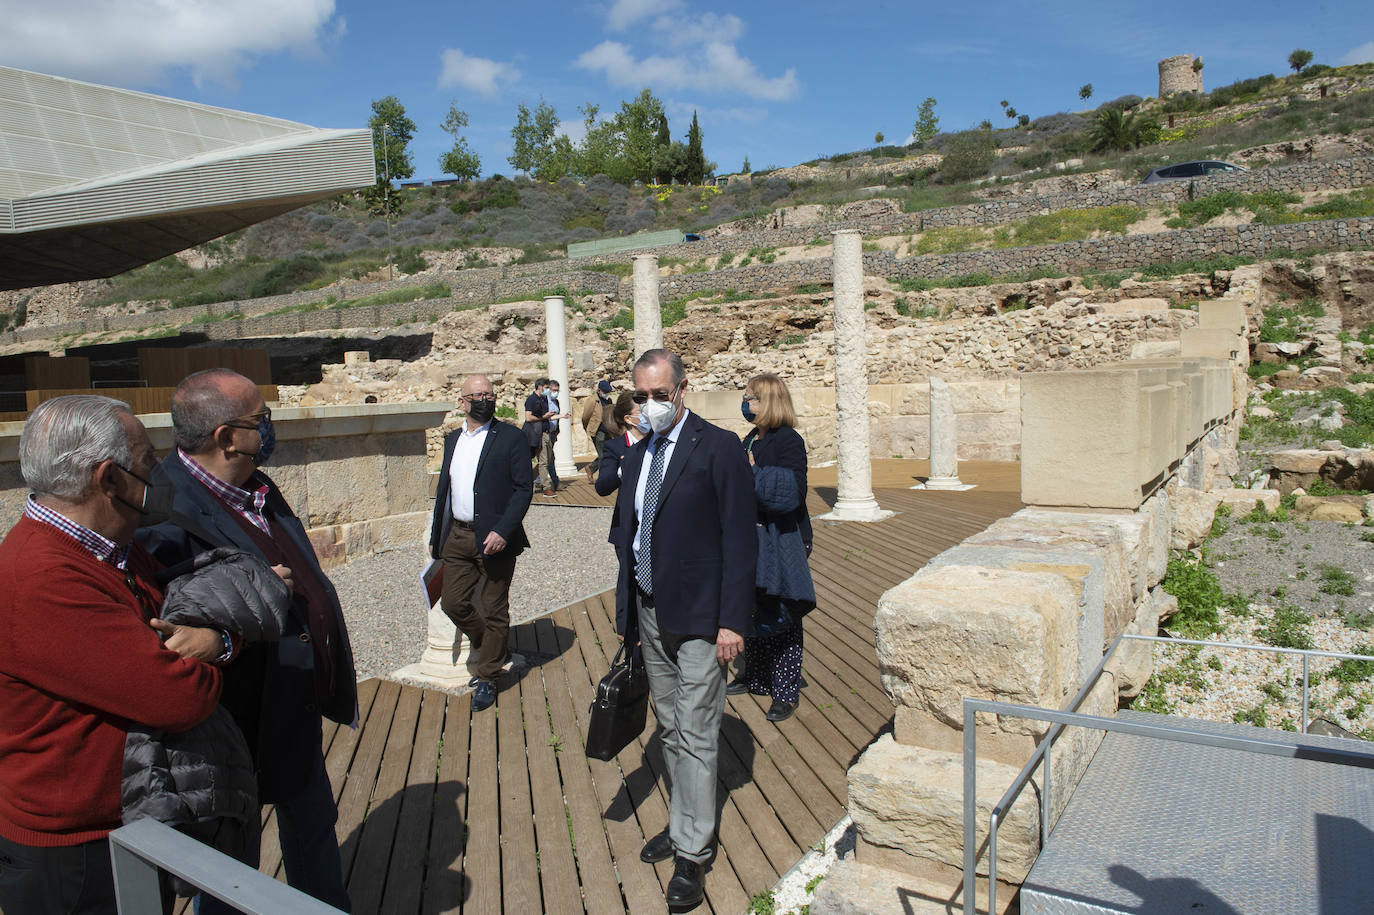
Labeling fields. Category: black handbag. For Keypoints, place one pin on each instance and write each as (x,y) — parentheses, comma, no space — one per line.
(620,709)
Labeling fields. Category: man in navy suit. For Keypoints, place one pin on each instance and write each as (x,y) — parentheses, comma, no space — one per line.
(686,593)
(275,691)
(478,529)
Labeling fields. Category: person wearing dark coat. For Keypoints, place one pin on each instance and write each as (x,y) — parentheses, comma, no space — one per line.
(685,592)
(478,530)
(625,415)
(536,428)
(784,592)
(278,691)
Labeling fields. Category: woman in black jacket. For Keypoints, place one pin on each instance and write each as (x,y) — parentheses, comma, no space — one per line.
(784,592)
(626,416)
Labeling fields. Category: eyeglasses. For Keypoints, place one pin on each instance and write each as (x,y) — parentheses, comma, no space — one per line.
(660,396)
(751,397)
(480,397)
(252,419)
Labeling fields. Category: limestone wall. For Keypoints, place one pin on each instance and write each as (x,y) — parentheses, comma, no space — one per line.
(1179,74)
(355,475)
(1023,611)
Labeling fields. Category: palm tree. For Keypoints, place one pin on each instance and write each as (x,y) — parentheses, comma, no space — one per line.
(1113,128)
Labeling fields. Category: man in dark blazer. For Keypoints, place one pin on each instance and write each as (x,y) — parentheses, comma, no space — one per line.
(686,593)
(278,691)
(478,529)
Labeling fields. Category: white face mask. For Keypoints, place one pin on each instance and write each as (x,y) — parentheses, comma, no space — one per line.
(659,415)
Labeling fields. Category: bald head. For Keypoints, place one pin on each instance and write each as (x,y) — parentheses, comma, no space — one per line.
(477,384)
(207,400)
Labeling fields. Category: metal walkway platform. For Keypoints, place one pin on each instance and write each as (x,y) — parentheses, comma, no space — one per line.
(1157,826)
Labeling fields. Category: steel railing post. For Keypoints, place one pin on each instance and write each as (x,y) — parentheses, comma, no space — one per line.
(135,880)
(1304,694)
(970,810)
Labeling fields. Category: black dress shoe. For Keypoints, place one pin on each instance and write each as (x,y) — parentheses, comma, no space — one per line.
(736,688)
(780,711)
(483,696)
(659,848)
(685,888)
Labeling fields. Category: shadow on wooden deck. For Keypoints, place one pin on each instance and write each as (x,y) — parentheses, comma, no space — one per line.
(441,810)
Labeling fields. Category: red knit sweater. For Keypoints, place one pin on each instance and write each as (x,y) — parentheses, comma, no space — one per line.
(78,662)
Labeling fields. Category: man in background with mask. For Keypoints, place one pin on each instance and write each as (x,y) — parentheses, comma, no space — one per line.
(685,593)
(276,691)
(79,657)
(538,415)
(478,530)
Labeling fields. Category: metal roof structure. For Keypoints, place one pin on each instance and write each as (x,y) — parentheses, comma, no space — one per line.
(95,181)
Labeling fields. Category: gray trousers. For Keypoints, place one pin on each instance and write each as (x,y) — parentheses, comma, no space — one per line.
(688,686)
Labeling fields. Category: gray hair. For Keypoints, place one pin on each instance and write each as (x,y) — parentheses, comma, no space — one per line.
(655,356)
(200,405)
(64,438)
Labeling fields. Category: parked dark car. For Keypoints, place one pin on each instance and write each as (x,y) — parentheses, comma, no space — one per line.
(1199,169)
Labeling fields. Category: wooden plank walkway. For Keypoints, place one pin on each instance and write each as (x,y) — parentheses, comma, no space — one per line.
(441,810)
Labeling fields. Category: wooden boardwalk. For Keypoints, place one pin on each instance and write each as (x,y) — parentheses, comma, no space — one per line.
(441,810)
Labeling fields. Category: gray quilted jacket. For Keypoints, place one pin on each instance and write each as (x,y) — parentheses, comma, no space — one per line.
(201,781)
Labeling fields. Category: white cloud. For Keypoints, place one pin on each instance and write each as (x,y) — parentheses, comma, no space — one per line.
(139,40)
(625,13)
(713,66)
(476,73)
(1362,55)
(681,31)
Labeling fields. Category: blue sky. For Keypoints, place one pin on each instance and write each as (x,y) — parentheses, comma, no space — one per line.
(779,82)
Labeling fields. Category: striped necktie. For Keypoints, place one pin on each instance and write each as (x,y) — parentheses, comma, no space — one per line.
(644,573)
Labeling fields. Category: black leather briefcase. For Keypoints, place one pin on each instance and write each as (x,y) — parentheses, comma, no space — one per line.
(620,708)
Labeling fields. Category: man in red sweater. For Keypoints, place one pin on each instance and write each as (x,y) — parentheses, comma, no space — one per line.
(81,654)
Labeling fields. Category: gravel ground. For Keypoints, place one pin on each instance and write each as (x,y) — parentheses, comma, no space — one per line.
(1307,585)
(568,560)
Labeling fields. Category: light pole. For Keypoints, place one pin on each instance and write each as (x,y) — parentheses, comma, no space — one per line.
(386,195)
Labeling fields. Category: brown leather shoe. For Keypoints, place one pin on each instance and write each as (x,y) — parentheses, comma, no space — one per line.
(548,492)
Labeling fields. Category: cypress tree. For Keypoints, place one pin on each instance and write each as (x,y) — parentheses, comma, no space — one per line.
(696,158)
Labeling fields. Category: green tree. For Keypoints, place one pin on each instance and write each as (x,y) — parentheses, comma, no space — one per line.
(927,124)
(1299,59)
(638,125)
(392,132)
(460,161)
(878,138)
(1011,113)
(662,144)
(1023,120)
(745,168)
(1085,91)
(696,157)
(969,155)
(1113,128)
(533,140)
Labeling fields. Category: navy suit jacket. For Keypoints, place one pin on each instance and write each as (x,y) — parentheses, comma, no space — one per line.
(270,687)
(501,491)
(704,542)
(608,478)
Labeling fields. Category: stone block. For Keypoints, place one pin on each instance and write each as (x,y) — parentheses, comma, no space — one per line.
(1214,343)
(1194,511)
(1134,306)
(1155,349)
(911,799)
(910,437)
(983,396)
(1349,509)
(853,886)
(1157,534)
(346,480)
(1225,314)
(1134,661)
(1243,501)
(954,631)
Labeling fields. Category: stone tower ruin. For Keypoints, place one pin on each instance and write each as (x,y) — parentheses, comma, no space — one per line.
(1179,74)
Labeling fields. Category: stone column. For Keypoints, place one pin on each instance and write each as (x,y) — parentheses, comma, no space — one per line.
(648,316)
(944,439)
(855,500)
(555,330)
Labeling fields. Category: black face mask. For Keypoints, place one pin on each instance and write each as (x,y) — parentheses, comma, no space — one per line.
(481,410)
(157,501)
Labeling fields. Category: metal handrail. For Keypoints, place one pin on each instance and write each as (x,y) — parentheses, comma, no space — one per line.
(1061,719)
(140,849)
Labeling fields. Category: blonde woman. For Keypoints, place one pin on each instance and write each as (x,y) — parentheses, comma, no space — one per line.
(784,592)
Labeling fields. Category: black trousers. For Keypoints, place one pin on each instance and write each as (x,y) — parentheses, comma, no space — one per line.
(66,880)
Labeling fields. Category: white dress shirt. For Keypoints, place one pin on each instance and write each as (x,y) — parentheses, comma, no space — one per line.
(462,471)
(672,435)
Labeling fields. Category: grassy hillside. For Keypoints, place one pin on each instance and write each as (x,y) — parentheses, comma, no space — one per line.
(342,238)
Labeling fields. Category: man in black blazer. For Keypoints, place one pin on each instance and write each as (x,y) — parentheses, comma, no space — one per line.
(276,692)
(479,510)
(686,593)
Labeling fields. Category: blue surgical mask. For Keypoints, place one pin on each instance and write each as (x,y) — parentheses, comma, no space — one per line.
(643,424)
(268,434)
(746,411)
